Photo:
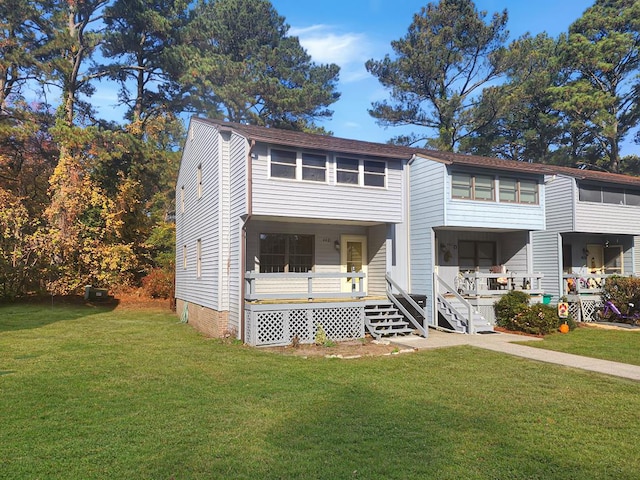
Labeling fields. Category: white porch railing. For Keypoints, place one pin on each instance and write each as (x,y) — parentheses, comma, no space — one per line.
(284,293)
(480,283)
(587,284)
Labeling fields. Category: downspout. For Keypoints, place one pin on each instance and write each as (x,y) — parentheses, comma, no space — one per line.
(243,237)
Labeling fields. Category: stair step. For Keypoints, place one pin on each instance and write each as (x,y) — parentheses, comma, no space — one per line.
(389,322)
(395,331)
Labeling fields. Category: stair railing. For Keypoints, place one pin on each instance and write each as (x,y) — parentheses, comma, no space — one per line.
(391,285)
(447,288)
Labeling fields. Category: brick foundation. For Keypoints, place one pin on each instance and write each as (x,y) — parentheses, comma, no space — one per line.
(207,321)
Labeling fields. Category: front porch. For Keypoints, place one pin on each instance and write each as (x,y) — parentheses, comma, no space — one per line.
(291,315)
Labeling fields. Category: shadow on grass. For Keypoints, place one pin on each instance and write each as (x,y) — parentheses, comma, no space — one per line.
(35,312)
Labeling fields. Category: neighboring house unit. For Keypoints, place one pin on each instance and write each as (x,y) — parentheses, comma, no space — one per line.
(471,224)
(593,224)
(281,234)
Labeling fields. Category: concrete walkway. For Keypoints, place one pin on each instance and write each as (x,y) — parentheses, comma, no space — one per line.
(502,342)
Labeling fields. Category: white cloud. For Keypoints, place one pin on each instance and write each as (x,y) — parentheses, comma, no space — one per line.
(348,50)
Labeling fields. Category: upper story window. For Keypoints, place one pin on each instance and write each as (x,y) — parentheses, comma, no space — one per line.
(286,253)
(611,195)
(472,187)
(354,171)
(199,179)
(314,167)
(513,190)
(182,199)
(298,165)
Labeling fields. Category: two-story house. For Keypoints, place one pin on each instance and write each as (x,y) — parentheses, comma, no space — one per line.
(592,229)
(280,233)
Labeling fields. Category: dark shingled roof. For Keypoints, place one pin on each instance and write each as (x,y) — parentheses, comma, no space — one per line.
(316,142)
(357,147)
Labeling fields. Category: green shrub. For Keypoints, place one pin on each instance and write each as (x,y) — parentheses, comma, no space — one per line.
(623,291)
(538,319)
(510,305)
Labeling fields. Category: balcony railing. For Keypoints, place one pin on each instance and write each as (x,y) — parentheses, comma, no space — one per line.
(480,283)
(285,282)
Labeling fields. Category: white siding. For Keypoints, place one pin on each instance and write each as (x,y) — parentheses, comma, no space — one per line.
(200,219)
(331,201)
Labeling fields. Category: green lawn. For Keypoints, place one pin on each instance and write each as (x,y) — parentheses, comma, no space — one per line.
(90,393)
(616,345)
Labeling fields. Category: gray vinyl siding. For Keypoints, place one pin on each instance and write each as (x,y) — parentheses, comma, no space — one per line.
(635,252)
(561,196)
(513,251)
(606,218)
(200,219)
(237,207)
(426,198)
(330,201)
(547,259)
(377,252)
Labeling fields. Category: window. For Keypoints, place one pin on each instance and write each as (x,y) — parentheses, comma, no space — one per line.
(198,258)
(298,166)
(314,167)
(472,187)
(184,257)
(374,173)
(283,164)
(354,171)
(476,254)
(513,190)
(286,253)
(199,180)
(347,170)
(611,195)
(182,199)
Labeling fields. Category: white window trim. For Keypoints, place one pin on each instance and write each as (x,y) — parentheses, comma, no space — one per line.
(361,172)
(199,180)
(298,175)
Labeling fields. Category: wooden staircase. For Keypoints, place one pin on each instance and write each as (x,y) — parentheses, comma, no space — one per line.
(382,319)
(461,316)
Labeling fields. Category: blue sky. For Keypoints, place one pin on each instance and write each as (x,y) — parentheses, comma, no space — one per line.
(349,32)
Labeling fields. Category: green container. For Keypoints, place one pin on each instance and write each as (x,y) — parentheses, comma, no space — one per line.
(546,299)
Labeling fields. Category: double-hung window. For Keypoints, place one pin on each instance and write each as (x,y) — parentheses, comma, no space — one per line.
(364,172)
(295,165)
(472,187)
(286,253)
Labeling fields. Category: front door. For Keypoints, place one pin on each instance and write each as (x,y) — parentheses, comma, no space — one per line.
(353,258)
(595,259)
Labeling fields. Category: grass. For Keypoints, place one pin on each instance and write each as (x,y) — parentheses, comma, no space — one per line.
(91,393)
(615,345)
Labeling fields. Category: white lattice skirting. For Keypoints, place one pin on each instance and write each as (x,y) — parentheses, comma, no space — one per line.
(277,325)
